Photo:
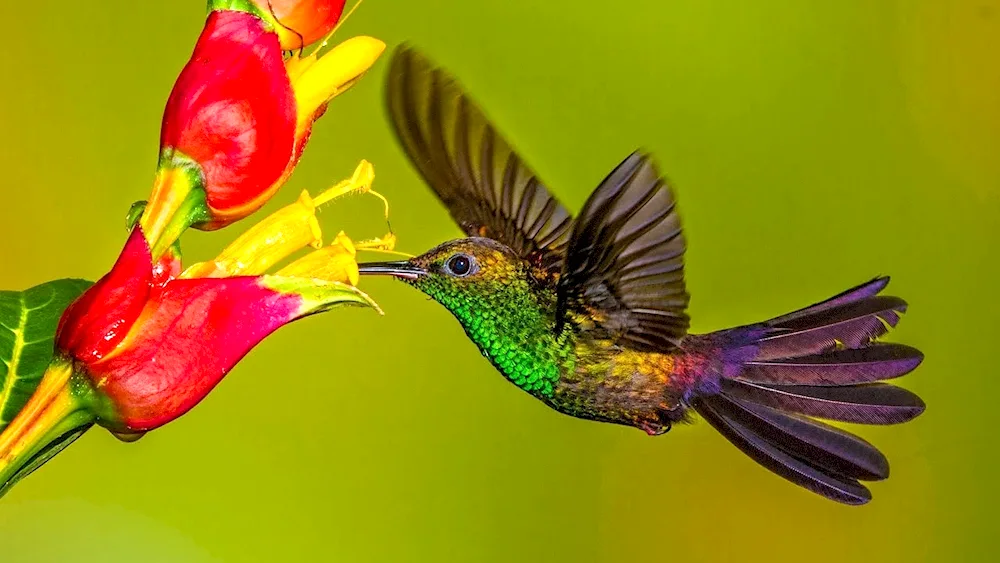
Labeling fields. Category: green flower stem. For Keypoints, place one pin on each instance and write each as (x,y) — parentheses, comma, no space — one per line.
(177,202)
(241,6)
(58,413)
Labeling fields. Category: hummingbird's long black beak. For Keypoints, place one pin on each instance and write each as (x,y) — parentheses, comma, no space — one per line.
(401,269)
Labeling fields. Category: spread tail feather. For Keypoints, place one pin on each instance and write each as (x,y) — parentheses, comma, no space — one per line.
(821,361)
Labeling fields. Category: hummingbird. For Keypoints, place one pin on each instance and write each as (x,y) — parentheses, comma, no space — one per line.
(588,314)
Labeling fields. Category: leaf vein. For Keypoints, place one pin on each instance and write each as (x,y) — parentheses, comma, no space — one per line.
(8,383)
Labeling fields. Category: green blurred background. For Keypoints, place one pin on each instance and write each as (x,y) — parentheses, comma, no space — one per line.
(812,147)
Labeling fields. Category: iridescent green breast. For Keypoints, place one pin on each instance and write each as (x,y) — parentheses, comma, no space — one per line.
(511,321)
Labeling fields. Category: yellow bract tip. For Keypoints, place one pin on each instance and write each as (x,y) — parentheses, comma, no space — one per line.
(317,81)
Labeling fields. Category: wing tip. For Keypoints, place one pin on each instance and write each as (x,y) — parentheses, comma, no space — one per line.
(639,158)
(407,50)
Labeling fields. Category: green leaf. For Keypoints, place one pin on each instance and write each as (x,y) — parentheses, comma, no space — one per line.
(28,322)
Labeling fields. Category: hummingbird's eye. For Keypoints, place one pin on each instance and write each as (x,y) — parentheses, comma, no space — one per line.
(460,265)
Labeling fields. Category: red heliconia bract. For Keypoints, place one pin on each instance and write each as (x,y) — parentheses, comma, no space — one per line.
(173,339)
(232,112)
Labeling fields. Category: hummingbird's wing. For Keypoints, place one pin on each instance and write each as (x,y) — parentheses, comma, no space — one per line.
(624,268)
(485,185)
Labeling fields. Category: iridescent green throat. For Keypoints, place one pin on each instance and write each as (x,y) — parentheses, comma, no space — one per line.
(512,323)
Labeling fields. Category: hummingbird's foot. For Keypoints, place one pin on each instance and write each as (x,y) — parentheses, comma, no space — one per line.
(654,428)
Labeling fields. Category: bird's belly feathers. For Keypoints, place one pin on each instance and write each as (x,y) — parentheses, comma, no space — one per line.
(594,380)
(626,387)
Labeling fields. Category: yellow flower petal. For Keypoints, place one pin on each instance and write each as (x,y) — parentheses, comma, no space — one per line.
(266,243)
(335,262)
(284,232)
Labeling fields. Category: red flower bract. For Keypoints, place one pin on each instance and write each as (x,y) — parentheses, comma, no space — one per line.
(232,111)
(100,318)
(191,336)
(153,345)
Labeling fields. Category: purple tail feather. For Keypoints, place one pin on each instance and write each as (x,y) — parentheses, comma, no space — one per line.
(823,362)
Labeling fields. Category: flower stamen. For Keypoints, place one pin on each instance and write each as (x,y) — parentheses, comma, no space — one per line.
(385,243)
(361,181)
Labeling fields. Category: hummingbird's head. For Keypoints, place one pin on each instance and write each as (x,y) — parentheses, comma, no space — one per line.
(493,293)
(471,277)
